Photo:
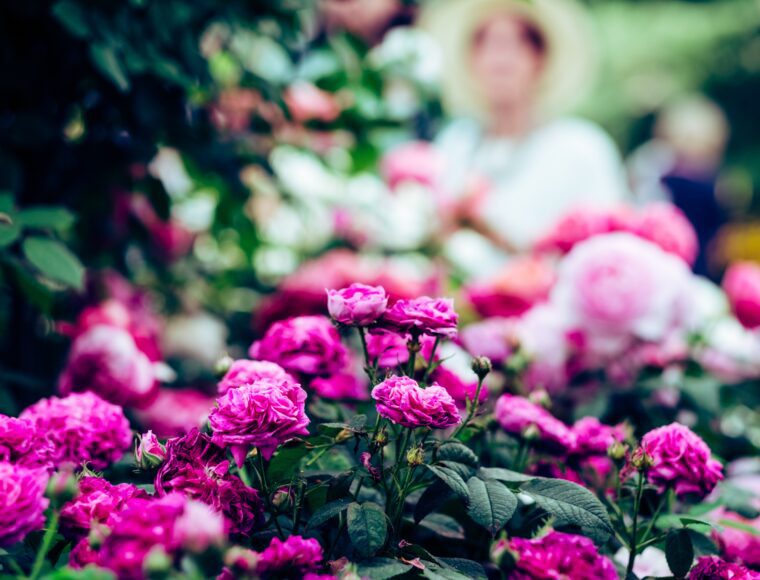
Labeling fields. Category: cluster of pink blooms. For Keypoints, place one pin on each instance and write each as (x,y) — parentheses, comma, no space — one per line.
(22,501)
(556,555)
(660,223)
(404,402)
(713,568)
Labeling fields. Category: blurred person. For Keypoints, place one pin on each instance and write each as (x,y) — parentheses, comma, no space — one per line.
(513,163)
(368,20)
(681,164)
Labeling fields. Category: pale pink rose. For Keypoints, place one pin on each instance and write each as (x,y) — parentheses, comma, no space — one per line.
(357,304)
(582,223)
(307,102)
(416,162)
(543,335)
(668,227)
(518,416)
(742,286)
(404,402)
(618,287)
(199,527)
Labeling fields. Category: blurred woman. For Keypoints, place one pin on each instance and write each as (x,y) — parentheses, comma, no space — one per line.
(513,164)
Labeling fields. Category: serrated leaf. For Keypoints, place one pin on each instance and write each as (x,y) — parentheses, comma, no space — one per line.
(382,568)
(452,479)
(491,503)
(327,512)
(46,217)
(105,59)
(505,475)
(571,506)
(463,470)
(54,260)
(679,552)
(367,527)
(455,451)
(431,499)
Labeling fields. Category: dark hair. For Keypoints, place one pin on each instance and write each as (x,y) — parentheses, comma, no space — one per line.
(531,33)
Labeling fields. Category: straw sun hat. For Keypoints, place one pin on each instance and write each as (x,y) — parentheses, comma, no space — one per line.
(571,58)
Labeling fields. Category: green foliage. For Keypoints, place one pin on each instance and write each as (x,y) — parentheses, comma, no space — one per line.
(679,552)
(367,527)
(491,503)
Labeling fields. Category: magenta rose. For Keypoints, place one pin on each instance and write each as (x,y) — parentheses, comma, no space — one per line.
(148,451)
(558,555)
(22,501)
(388,349)
(403,401)
(106,360)
(668,227)
(245,372)
(175,412)
(264,414)
(200,527)
(618,287)
(681,461)
(199,469)
(305,344)
(582,223)
(415,162)
(357,305)
(594,438)
(22,443)
(82,428)
(714,568)
(95,502)
(738,545)
(341,386)
(518,416)
(742,286)
(424,315)
(294,557)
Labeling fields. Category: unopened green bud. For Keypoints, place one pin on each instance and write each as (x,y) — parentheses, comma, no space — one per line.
(157,563)
(381,439)
(617,451)
(641,460)
(531,433)
(415,456)
(62,487)
(481,366)
(223,365)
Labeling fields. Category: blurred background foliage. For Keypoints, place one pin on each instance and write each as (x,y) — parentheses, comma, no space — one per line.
(147,134)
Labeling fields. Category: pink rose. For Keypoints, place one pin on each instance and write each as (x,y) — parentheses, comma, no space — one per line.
(245,372)
(618,287)
(424,315)
(738,545)
(594,438)
(404,402)
(106,360)
(96,501)
(263,414)
(523,283)
(341,386)
(582,223)
(518,415)
(22,501)
(83,429)
(388,348)
(305,344)
(543,335)
(175,412)
(681,460)
(148,451)
(493,337)
(294,557)
(713,568)
(416,162)
(357,305)
(199,527)
(199,469)
(742,286)
(306,102)
(558,555)
(23,444)
(668,227)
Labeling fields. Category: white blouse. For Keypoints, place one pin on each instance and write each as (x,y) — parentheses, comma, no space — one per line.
(533,181)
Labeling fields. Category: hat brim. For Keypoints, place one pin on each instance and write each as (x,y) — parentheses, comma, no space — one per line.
(571,58)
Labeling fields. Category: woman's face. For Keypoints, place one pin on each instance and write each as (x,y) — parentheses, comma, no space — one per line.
(506,62)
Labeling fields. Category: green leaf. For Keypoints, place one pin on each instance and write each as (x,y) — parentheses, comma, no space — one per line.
(469,568)
(367,527)
(436,571)
(105,59)
(54,260)
(431,499)
(9,233)
(491,504)
(328,511)
(455,451)
(7,203)
(45,217)
(70,14)
(444,526)
(571,506)
(452,479)
(382,568)
(286,462)
(679,552)
(505,475)
(462,469)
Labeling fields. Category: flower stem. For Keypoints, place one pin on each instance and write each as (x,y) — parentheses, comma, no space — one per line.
(47,541)
(634,529)
(429,365)
(472,408)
